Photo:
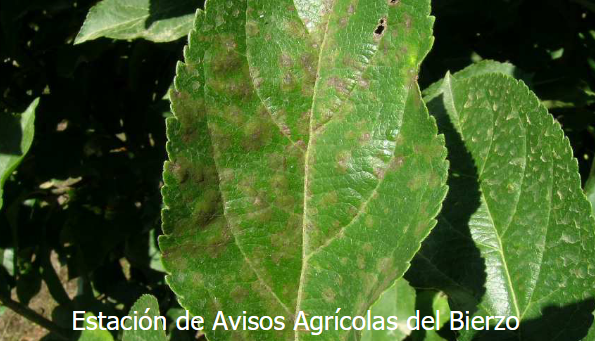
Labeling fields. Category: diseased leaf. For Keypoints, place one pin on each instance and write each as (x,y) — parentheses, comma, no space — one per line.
(590,187)
(155,20)
(139,308)
(399,301)
(515,236)
(17,136)
(304,169)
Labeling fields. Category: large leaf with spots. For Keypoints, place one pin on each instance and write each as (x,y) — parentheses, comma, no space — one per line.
(304,170)
(515,236)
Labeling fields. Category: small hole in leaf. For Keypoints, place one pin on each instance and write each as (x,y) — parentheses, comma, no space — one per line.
(380,28)
(394,2)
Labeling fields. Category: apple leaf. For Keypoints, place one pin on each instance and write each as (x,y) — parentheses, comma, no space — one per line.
(476,69)
(590,187)
(399,301)
(146,305)
(155,20)
(17,136)
(93,333)
(304,170)
(515,237)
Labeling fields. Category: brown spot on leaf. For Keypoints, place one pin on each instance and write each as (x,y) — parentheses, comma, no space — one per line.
(379,172)
(397,162)
(343,160)
(408,22)
(285,60)
(343,22)
(252,29)
(328,294)
(361,262)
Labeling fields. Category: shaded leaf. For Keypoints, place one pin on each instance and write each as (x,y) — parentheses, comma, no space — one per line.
(517,189)
(17,136)
(304,169)
(432,303)
(155,20)
(28,284)
(140,309)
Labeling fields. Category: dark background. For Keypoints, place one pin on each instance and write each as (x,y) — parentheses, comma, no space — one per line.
(86,198)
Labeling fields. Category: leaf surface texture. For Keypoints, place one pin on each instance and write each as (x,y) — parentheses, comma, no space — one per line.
(148,306)
(154,20)
(304,170)
(516,236)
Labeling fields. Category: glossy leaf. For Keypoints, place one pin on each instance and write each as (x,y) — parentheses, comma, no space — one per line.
(399,301)
(516,236)
(139,308)
(155,20)
(304,168)
(480,68)
(17,136)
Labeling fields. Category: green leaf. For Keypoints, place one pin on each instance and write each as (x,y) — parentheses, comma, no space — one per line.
(399,301)
(516,236)
(476,69)
(140,309)
(17,136)
(304,168)
(155,20)
(439,304)
(590,187)
(94,335)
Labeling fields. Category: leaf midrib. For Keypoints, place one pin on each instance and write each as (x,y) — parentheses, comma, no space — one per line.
(500,247)
(305,240)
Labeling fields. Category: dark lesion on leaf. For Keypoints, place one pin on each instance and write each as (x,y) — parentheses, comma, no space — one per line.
(380,28)
(394,2)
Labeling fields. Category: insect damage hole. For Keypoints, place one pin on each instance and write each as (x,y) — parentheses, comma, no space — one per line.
(380,28)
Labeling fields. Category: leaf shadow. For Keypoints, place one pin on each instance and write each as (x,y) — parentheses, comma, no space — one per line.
(567,323)
(11,135)
(166,9)
(449,260)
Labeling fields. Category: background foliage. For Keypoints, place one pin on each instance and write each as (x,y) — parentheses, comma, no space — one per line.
(81,215)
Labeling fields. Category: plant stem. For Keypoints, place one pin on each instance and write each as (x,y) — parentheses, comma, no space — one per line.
(34,317)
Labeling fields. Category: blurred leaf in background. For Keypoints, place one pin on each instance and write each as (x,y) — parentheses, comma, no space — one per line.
(80,217)
(17,135)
